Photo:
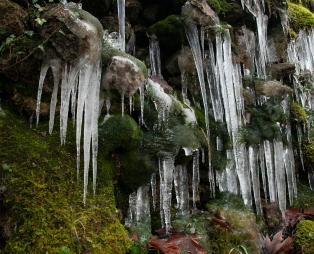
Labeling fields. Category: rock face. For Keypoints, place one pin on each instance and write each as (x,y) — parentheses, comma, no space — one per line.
(200,13)
(125,84)
(281,70)
(186,61)
(272,88)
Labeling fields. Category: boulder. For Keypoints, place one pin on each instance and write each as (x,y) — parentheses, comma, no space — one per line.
(272,88)
(280,70)
(77,36)
(200,13)
(126,84)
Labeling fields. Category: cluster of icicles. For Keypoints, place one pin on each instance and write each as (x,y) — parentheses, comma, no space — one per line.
(268,167)
(221,79)
(80,86)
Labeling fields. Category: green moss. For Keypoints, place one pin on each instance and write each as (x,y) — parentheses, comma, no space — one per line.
(304,238)
(169,31)
(300,17)
(220,6)
(305,198)
(308,154)
(298,113)
(217,239)
(120,133)
(244,229)
(263,125)
(45,200)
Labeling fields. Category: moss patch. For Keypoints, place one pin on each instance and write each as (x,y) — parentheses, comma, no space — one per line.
(45,200)
(305,236)
(298,113)
(263,125)
(300,17)
(169,31)
(220,6)
(305,197)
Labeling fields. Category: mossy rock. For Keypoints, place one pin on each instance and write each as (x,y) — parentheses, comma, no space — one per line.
(120,133)
(298,112)
(108,52)
(300,17)
(169,32)
(44,198)
(136,169)
(264,123)
(220,6)
(304,237)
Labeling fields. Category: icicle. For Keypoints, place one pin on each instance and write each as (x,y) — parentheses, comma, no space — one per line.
(261,157)
(280,174)
(131,104)
(166,179)
(131,219)
(87,70)
(213,83)
(153,185)
(142,98)
(142,205)
(257,10)
(73,99)
(231,176)
(255,179)
(122,105)
(203,155)
(195,178)
(43,73)
(299,138)
(289,156)
(154,56)
(192,35)
(121,17)
(268,149)
(194,41)
(243,172)
(55,65)
(181,185)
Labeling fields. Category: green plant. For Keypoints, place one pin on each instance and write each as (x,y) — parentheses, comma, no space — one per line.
(8,41)
(239,249)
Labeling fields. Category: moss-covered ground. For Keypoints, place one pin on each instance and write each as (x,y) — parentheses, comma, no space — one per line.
(44,199)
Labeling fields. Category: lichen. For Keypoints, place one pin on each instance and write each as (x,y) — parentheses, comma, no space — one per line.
(304,237)
(45,199)
(300,17)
